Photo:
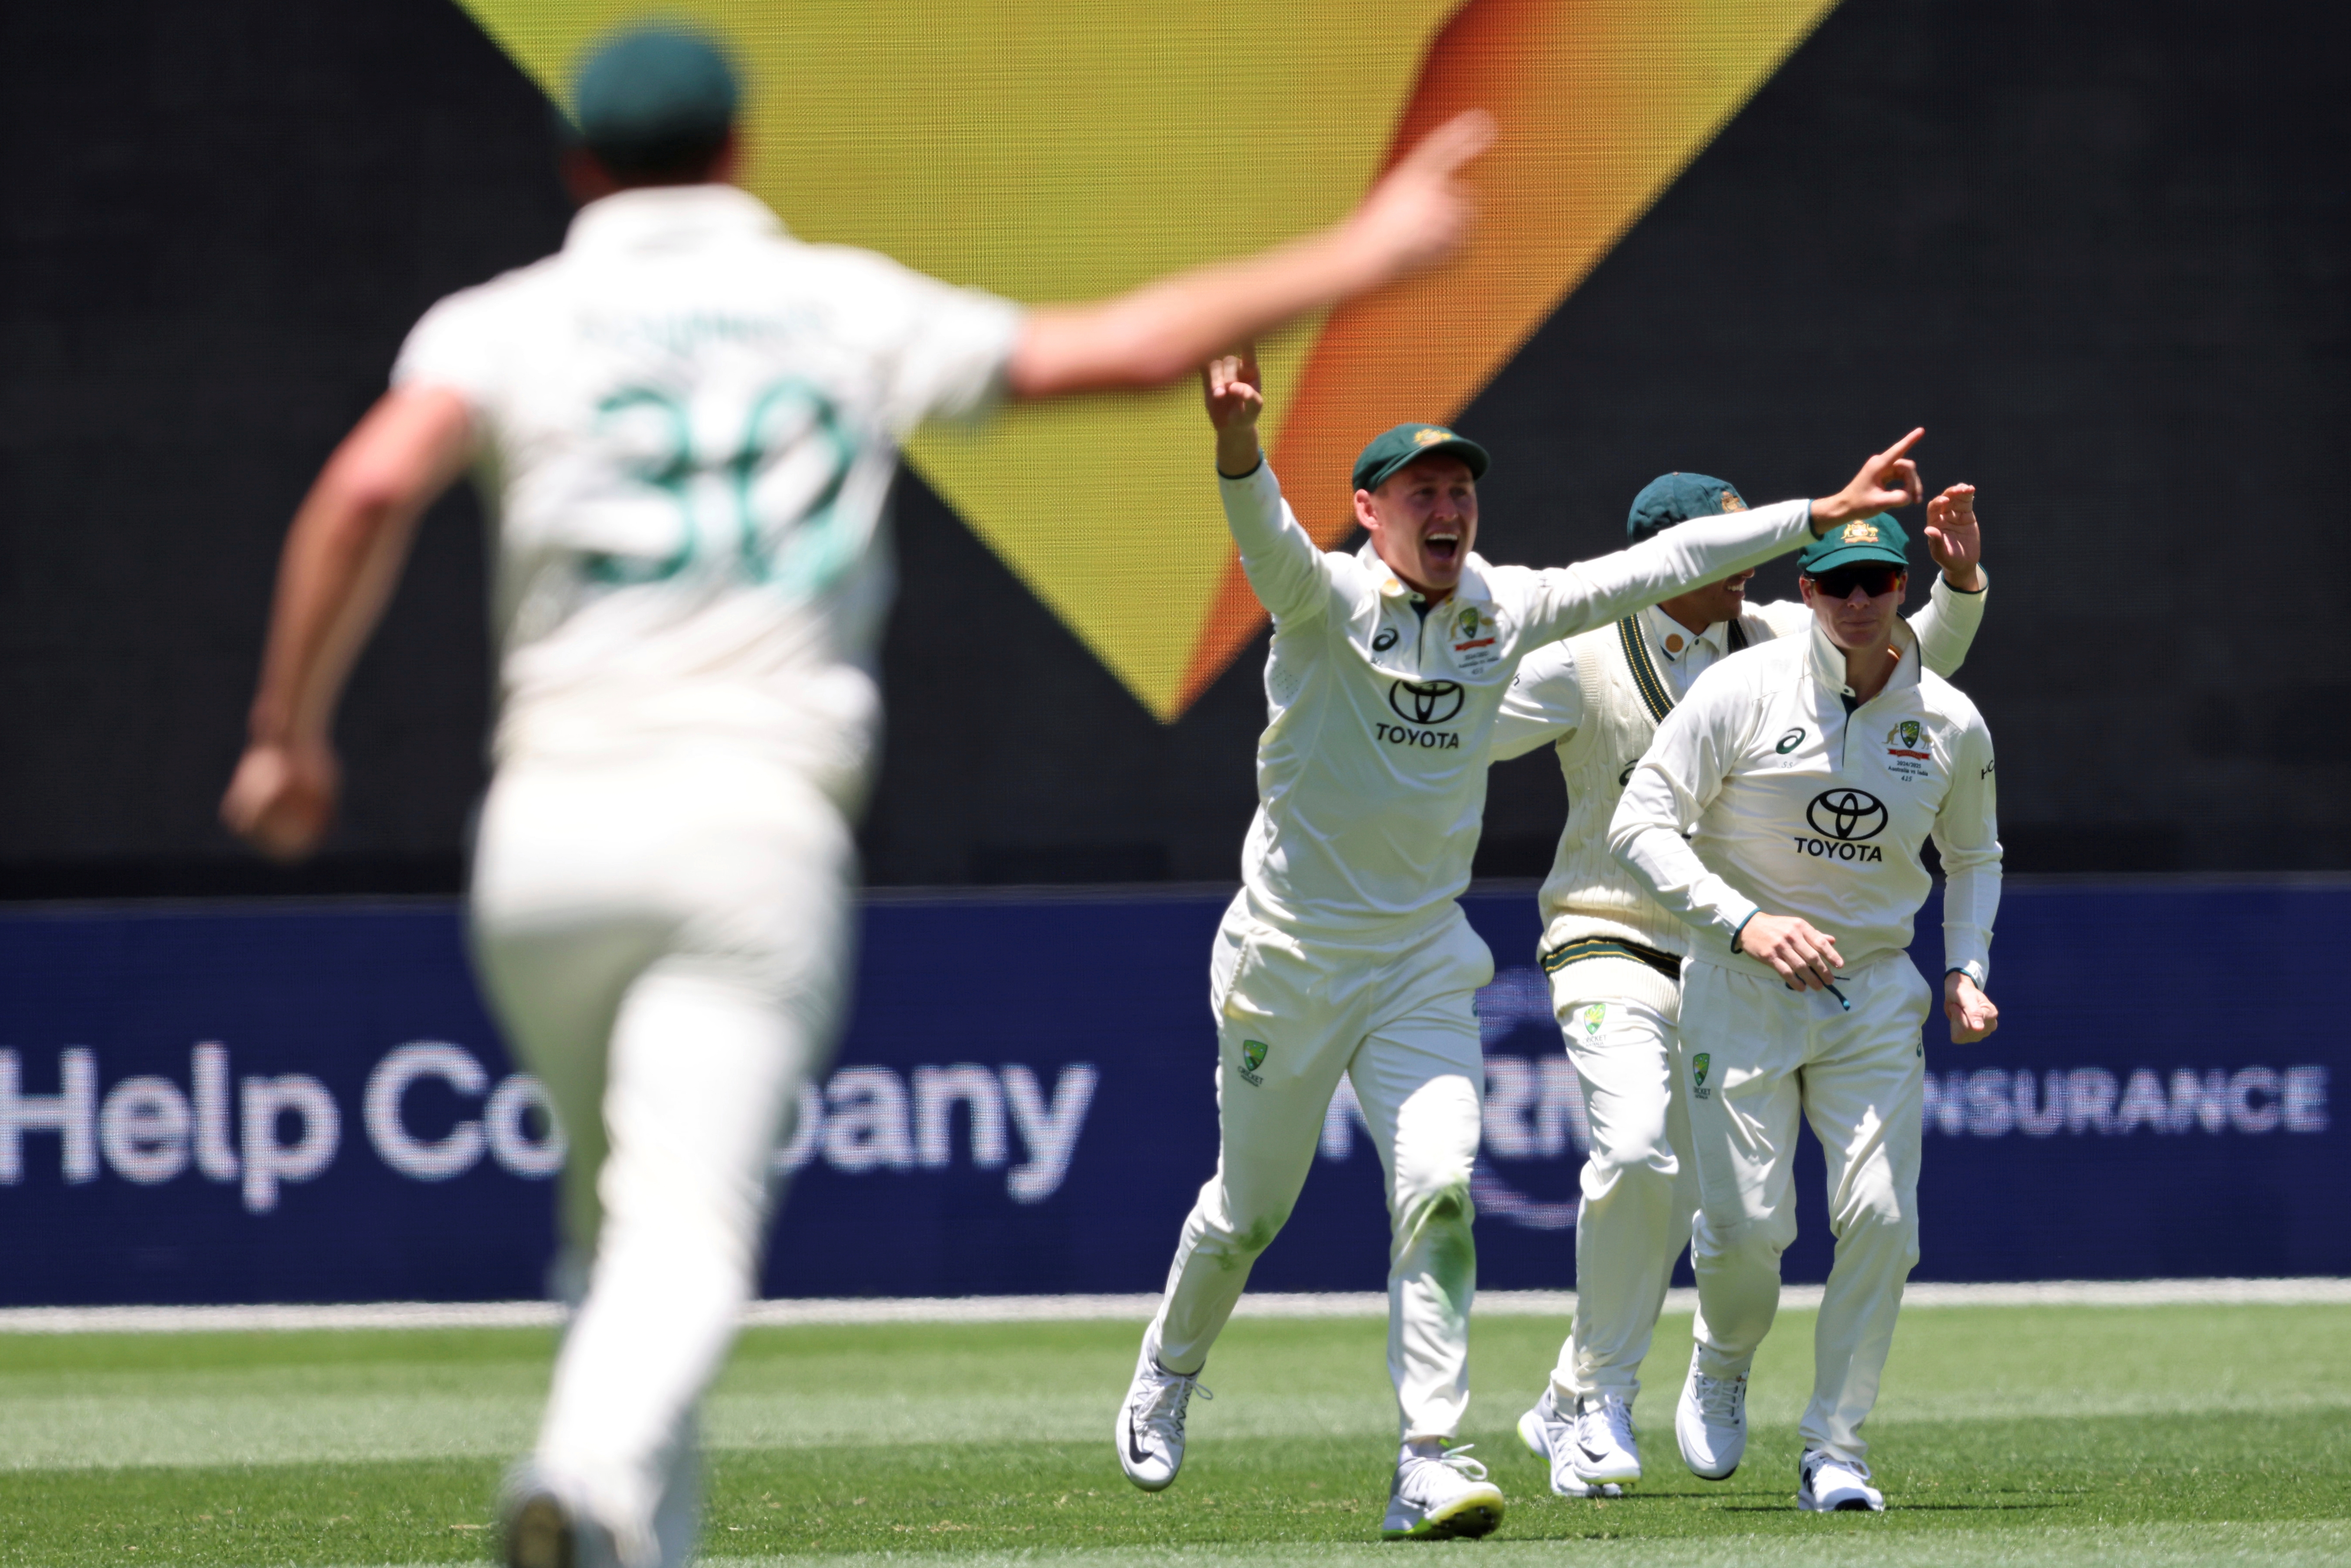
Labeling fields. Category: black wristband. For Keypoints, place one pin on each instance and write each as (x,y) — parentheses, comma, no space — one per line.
(1252,468)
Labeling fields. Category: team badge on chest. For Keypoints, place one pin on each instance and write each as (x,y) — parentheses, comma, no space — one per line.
(1476,636)
(1907,752)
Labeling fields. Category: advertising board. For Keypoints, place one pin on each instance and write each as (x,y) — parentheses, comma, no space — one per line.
(273,1103)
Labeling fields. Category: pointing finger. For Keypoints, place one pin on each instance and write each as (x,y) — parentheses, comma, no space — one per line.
(1906,475)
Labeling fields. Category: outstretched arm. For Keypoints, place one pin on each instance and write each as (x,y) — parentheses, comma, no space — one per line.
(1156,335)
(1593,593)
(342,558)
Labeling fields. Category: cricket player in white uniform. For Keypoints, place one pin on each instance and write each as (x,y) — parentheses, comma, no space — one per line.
(687,424)
(1615,958)
(1346,951)
(1807,774)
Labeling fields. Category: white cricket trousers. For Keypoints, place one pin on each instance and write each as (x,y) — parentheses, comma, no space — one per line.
(1753,1055)
(1640,1189)
(664,942)
(1395,1014)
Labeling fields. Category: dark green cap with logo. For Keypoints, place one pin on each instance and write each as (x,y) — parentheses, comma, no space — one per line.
(1878,539)
(1671,498)
(1393,448)
(655,99)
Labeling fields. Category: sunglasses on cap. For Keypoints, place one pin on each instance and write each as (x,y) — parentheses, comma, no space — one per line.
(1872,578)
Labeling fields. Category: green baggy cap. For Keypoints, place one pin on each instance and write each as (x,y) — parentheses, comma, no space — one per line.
(1878,539)
(1671,498)
(1393,448)
(653,98)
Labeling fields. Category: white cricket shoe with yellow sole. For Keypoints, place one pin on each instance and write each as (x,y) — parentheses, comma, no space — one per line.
(1441,1497)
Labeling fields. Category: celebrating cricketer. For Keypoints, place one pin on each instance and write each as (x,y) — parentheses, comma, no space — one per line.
(1780,812)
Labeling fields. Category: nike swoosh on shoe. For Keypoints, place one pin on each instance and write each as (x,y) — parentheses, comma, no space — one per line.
(1134,1450)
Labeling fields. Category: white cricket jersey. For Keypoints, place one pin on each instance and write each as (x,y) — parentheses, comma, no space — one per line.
(1763,791)
(1587,893)
(1372,771)
(688,423)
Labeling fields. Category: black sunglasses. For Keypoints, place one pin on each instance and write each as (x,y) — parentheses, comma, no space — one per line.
(1873,579)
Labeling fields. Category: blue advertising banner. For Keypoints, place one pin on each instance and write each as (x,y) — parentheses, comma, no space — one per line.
(273,1103)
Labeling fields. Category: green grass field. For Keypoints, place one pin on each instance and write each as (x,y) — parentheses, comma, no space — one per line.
(2072,1435)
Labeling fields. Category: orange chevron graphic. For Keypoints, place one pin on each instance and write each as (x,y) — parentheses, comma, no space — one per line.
(1051,150)
(1598,117)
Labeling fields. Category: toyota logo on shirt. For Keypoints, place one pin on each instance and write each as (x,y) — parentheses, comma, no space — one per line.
(1847,815)
(1425,702)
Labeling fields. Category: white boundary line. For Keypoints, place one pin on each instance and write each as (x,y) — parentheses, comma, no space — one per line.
(1135,1309)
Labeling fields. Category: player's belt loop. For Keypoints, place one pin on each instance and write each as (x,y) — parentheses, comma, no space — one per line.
(1576,952)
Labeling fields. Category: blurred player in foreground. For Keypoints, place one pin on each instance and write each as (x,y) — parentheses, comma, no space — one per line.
(1346,951)
(1615,958)
(686,424)
(1807,774)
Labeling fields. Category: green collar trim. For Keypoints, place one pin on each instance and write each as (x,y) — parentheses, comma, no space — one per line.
(1654,695)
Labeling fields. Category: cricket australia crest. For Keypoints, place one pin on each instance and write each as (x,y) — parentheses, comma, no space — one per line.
(1907,752)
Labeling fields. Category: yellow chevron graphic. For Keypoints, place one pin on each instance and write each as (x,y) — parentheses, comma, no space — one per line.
(1061,152)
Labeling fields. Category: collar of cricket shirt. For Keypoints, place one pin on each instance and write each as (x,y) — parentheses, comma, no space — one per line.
(1828,661)
(1473,587)
(1674,640)
(667,215)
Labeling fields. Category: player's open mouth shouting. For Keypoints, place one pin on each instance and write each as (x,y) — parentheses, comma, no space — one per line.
(1438,506)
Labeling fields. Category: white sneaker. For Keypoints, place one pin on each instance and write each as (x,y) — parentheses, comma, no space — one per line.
(1551,1437)
(1151,1423)
(1606,1450)
(1441,1498)
(1710,1423)
(1826,1484)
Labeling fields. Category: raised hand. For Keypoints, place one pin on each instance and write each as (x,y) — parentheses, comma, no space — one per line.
(1954,537)
(1420,212)
(1887,481)
(1235,393)
(1233,390)
(1968,1011)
